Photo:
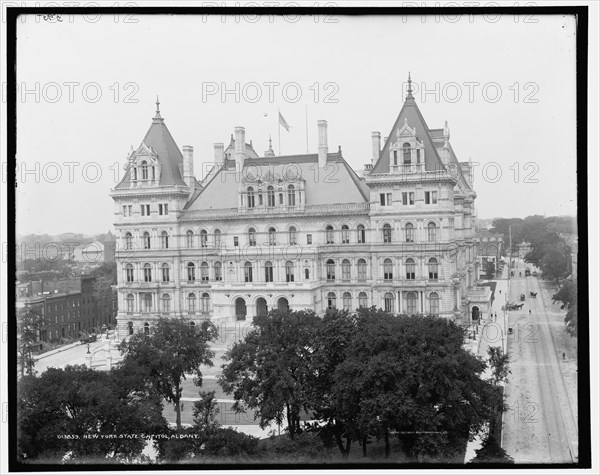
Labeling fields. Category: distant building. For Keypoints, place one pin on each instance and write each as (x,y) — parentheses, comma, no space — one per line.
(490,248)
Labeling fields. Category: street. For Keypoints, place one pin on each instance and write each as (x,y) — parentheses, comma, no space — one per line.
(540,425)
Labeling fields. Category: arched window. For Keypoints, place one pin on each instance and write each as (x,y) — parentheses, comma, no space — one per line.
(306,274)
(261,307)
(240,308)
(166,303)
(272,236)
(291,195)
(431,232)
(361,234)
(248,272)
(129,303)
(345,234)
(280,198)
(205,302)
(146,239)
(189,239)
(146,329)
(347,301)
(388,302)
(411,303)
(191,272)
(362,270)
(345,269)
(218,271)
(252,237)
(433,268)
(409,231)
(406,153)
(250,197)
(362,300)
(434,303)
(128,241)
(410,269)
(144,170)
(270,196)
(164,240)
(166,273)
(330,267)
(130,328)
(289,271)
(129,273)
(203,238)
(191,302)
(329,235)
(388,269)
(387,233)
(292,235)
(217,237)
(268,271)
(283,305)
(331,301)
(204,272)
(147,273)
(147,302)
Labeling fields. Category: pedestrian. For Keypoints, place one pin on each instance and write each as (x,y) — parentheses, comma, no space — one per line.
(564,355)
(529,311)
(500,291)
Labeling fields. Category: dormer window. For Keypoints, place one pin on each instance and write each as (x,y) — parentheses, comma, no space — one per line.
(144,170)
(406,153)
(250,197)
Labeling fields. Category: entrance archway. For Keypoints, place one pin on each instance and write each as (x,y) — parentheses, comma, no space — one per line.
(475,313)
(261,307)
(240,309)
(283,305)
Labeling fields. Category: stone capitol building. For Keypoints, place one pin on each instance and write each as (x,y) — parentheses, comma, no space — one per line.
(297,231)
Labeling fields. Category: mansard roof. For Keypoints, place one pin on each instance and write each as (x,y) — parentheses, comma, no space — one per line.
(336,183)
(170,158)
(410,111)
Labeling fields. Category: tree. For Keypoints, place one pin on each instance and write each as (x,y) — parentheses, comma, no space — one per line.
(498,362)
(337,423)
(206,410)
(268,370)
(81,411)
(173,349)
(490,269)
(412,376)
(491,452)
(554,262)
(28,319)
(568,296)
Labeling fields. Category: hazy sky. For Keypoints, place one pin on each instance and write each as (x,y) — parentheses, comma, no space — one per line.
(505,86)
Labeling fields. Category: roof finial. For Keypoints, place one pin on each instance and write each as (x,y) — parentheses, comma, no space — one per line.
(409,90)
(270,148)
(157,116)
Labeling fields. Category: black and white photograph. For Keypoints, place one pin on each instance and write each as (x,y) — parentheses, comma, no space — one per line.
(299,236)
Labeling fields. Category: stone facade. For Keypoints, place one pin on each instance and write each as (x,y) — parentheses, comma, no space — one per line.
(297,232)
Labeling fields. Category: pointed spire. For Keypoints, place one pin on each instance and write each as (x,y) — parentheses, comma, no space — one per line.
(270,152)
(270,146)
(409,90)
(157,117)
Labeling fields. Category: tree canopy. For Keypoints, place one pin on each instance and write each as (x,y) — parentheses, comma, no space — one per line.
(173,349)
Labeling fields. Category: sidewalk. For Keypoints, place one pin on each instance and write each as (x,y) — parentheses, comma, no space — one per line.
(492,333)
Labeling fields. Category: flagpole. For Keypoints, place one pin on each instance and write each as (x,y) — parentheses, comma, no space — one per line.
(279,130)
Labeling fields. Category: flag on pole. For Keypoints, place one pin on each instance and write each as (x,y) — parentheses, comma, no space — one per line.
(283,123)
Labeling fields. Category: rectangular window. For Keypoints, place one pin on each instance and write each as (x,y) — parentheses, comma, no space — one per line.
(382,199)
(405,198)
(434,197)
(427,198)
(236,241)
(418,156)
(395,157)
(163,209)
(145,210)
(309,239)
(388,199)
(411,198)
(127,210)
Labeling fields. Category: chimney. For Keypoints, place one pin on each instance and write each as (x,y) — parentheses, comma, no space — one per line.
(188,167)
(240,148)
(322,126)
(219,155)
(376,146)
